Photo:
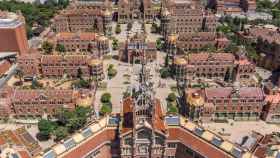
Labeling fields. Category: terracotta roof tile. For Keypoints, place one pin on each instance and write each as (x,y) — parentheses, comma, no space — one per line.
(86,147)
(22,95)
(226,92)
(196,143)
(274,98)
(212,56)
(24,154)
(128,115)
(79,35)
(159,121)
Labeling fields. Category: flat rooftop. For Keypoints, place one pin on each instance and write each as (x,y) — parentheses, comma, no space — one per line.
(4,55)
(9,20)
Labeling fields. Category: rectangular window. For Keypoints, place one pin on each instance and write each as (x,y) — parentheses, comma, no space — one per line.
(172,145)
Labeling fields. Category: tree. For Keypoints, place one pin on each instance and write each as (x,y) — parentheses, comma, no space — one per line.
(118,29)
(227,75)
(19,74)
(105,109)
(63,3)
(106,98)
(164,73)
(111,71)
(223,28)
(73,120)
(126,94)
(47,47)
(95,25)
(171,97)
(60,48)
(36,84)
(173,110)
(73,124)
(242,27)
(79,73)
(82,111)
(60,133)
(264,4)
(154,28)
(111,66)
(129,26)
(115,44)
(81,83)
(208,48)
(34,13)
(231,48)
(166,61)
(159,44)
(45,127)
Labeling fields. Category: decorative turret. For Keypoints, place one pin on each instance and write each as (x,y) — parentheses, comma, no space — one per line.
(171,46)
(195,103)
(103,45)
(179,69)
(108,22)
(96,68)
(144,100)
(165,23)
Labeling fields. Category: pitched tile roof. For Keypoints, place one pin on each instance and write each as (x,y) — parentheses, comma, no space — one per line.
(226,92)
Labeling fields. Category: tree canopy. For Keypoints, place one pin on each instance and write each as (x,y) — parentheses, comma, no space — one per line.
(60,48)
(34,13)
(67,122)
(105,98)
(164,73)
(118,29)
(115,44)
(171,97)
(105,109)
(45,127)
(112,72)
(47,47)
(60,133)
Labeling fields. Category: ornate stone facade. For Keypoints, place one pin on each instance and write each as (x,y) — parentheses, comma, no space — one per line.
(92,43)
(137,9)
(22,103)
(224,103)
(195,27)
(85,16)
(267,43)
(220,66)
(136,49)
(271,111)
(57,66)
(232,6)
